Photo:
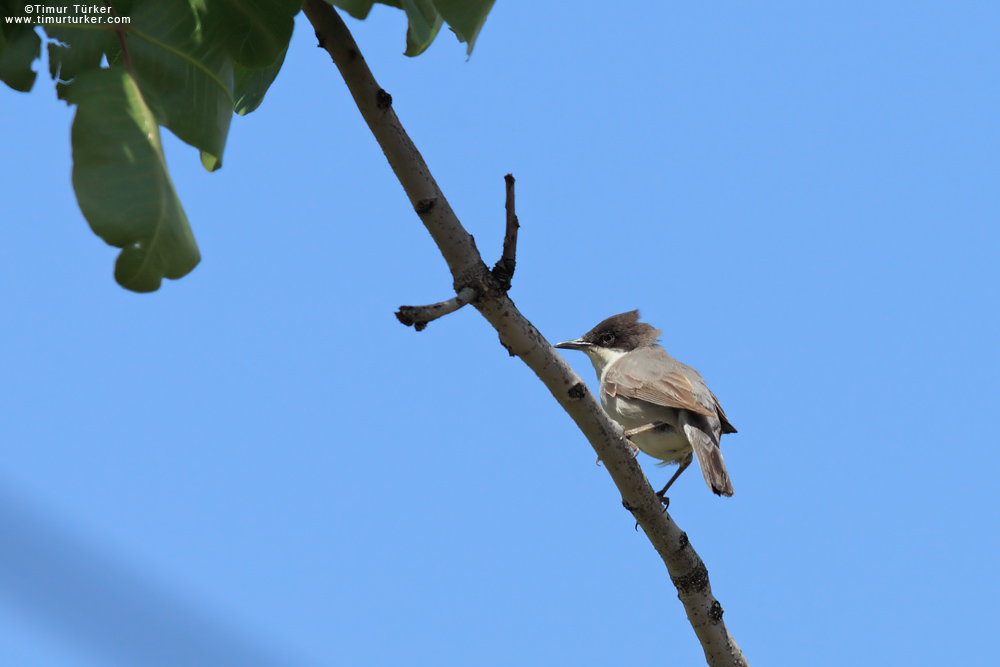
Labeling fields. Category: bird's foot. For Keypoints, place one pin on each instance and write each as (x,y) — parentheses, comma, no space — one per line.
(663,499)
(632,446)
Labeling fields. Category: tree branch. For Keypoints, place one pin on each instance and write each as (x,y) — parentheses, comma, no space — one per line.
(521,338)
(418,316)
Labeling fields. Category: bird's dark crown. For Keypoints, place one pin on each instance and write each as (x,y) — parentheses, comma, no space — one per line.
(623,332)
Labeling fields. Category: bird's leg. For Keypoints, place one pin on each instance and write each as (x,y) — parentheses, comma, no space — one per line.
(642,429)
(685,462)
(629,432)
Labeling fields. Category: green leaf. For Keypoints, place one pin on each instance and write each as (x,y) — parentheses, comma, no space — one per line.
(77,50)
(250,85)
(255,33)
(177,69)
(19,47)
(184,71)
(359,8)
(425,18)
(121,180)
(424,23)
(79,47)
(465,17)
(210,162)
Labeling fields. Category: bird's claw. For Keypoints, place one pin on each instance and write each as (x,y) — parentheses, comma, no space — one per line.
(664,500)
(632,446)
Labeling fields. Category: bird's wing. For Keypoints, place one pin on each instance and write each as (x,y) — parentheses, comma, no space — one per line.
(726,426)
(630,377)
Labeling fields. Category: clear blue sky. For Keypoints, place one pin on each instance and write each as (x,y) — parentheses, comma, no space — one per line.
(259,465)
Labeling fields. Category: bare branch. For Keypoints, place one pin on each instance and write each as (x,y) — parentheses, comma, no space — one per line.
(520,337)
(504,269)
(419,316)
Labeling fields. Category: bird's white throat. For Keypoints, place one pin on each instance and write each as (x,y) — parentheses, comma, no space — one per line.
(603,357)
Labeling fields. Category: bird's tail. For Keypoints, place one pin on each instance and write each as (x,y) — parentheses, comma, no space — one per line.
(706,450)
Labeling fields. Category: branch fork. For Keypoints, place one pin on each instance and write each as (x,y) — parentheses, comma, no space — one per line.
(419,316)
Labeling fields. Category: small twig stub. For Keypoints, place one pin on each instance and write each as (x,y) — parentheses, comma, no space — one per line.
(504,269)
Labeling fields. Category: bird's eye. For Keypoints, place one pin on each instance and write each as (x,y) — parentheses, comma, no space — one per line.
(608,338)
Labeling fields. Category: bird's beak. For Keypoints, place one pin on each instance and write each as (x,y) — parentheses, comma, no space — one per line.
(578,344)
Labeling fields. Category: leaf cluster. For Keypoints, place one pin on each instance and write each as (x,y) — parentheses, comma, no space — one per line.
(185,65)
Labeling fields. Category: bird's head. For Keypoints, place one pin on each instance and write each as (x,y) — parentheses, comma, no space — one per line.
(616,336)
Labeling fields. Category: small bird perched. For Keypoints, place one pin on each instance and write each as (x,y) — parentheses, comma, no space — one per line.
(664,406)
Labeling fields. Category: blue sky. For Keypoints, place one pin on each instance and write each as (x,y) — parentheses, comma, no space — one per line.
(258,465)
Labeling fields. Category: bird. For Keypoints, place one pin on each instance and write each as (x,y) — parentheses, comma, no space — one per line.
(664,406)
